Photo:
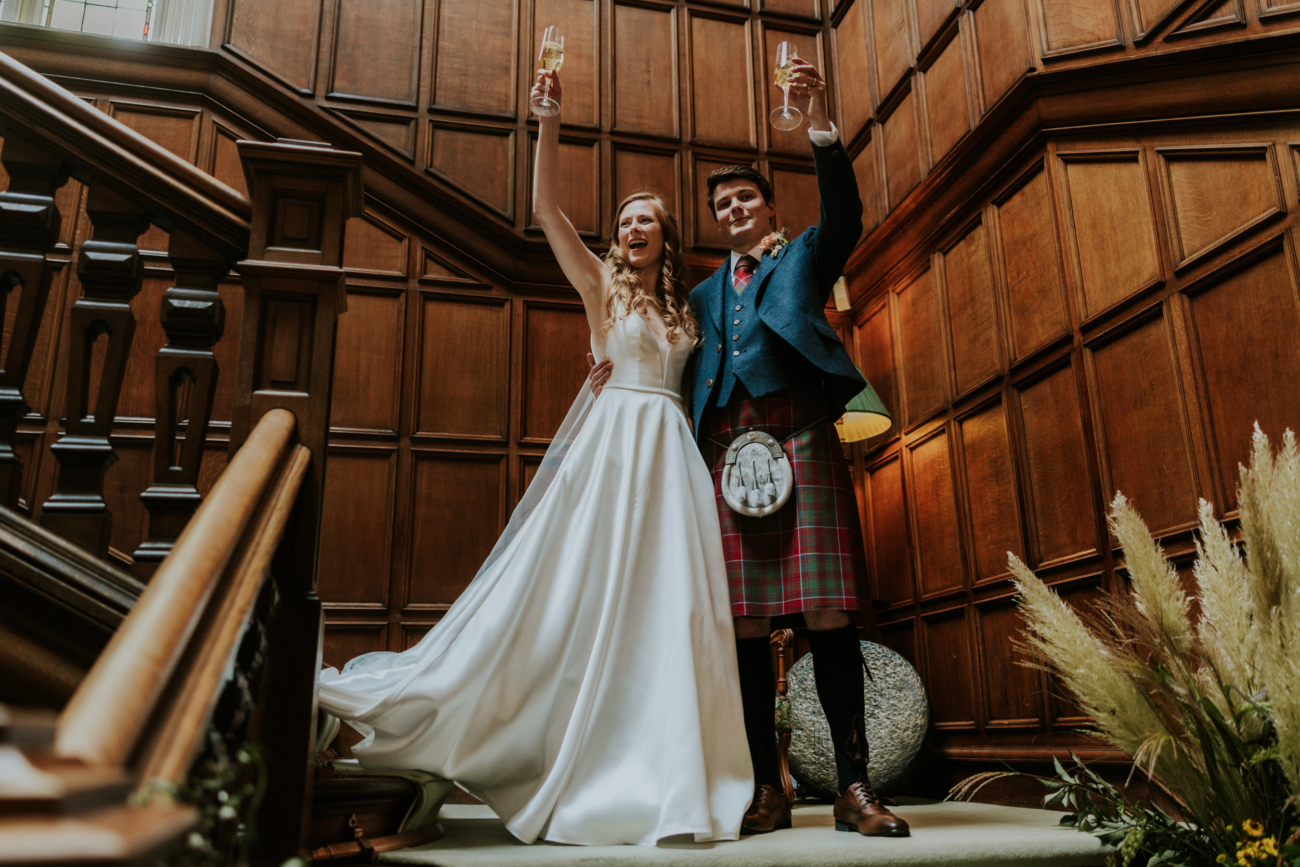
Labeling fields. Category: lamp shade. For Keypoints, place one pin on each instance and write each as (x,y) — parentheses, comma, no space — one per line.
(864,417)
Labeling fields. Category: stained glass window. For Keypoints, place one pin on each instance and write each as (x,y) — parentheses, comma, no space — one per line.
(129,18)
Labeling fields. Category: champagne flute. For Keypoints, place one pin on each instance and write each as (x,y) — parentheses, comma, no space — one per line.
(786,117)
(550,58)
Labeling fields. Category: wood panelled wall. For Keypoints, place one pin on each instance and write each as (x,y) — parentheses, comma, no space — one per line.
(916,76)
(1113,315)
(657,94)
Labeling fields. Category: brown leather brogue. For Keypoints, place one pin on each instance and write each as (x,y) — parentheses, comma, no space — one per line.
(858,808)
(769,811)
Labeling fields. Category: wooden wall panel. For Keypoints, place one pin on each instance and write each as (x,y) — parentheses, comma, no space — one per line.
(368,362)
(804,8)
(370,246)
(645,80)
(798,205)
(934,513)
(464,351)
(866,168)
(579,21)
(1111,221)
(1146,15)
(901,638)
(1141,427)
(972,310)
(901,136)
(892,40)
(476,73)
(921,357)
(931,15)
(556,343)
(122,493)
(281,37)
(357,526)
(479,161)
(891,560)
(457,512)
(947,99)
(992,506)
(1215,194)
(876,358)
(344,641)
(174,128)
(949,670)
(1002,46)
(1247,328)
(638,170)
(579,189)
(853,69)
(1031,257)
(809,46)
(1073,25)
(226,166)
(1013,694)
(377,50)
(722,82)
(1060,496)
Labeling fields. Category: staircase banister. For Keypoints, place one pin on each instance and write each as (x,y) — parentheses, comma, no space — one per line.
(176,193)
(108,714)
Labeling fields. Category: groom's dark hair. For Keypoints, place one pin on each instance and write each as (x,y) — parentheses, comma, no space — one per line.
(737,173)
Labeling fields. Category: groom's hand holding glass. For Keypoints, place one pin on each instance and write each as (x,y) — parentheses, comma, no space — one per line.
(807,83)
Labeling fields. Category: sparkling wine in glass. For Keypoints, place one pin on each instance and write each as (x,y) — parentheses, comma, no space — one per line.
(550,58)
(786,117)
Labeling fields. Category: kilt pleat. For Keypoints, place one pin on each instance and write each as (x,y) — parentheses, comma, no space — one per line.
(807,556)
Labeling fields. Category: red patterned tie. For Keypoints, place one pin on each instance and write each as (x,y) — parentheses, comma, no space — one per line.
(744,270)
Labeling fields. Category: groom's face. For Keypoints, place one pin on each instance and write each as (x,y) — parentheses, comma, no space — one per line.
(742,214)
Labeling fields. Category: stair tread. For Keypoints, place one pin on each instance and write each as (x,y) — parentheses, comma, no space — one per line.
(33,785)
(118,835)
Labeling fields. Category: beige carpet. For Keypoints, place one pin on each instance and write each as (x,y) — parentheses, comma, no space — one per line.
(978,835)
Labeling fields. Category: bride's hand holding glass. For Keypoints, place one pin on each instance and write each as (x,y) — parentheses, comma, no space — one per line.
(546,92)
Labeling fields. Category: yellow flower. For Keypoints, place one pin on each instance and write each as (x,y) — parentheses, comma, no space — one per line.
(1222,859)
(1243,859)
(1268,846)
(1253,828)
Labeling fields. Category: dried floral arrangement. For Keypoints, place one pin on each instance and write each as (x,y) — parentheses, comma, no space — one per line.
(1208,708)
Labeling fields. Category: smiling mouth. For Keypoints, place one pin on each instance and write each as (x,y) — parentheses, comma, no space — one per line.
(637,244)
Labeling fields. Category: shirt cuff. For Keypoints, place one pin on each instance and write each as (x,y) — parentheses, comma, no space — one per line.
(824,139)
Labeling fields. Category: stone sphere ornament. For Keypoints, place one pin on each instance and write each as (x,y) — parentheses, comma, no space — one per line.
(898,715)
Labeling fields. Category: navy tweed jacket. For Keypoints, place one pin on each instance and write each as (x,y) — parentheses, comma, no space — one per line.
(790,292)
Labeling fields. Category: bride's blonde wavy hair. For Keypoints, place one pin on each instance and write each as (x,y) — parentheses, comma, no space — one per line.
(670,295)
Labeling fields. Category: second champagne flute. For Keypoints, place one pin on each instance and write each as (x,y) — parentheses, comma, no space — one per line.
(786,117)
(550,58)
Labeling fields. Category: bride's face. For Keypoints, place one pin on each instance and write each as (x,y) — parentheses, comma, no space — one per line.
(640,234)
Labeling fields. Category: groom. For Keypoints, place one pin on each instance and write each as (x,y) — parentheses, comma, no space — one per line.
(769,361)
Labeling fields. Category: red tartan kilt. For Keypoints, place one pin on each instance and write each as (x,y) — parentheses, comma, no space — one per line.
(807,556)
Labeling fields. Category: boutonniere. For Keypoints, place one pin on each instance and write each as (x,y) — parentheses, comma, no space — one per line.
(775,242)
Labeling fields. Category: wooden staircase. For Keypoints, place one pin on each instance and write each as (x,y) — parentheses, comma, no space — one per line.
(172,707)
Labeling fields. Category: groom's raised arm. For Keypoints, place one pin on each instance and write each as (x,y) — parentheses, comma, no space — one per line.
(840,226)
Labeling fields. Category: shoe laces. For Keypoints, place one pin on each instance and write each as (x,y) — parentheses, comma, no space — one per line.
(865,793)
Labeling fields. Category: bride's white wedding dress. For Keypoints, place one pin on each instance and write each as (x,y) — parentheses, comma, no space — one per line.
(584,685)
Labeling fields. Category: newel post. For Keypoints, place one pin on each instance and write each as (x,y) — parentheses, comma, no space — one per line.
(303,194)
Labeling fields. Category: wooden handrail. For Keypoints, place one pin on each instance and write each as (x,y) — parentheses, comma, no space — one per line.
(180,733)
(176,193)
(105,718)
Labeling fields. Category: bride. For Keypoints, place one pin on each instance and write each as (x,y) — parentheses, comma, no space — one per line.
(584,686)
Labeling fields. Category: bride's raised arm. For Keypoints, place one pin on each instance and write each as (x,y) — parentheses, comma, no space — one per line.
(586,272)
